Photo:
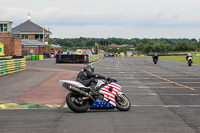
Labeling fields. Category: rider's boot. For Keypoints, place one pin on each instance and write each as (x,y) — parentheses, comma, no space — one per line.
(94,93)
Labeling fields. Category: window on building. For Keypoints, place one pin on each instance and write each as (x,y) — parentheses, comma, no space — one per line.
(37,37)
(1,27)
(41,36)
(24,36)
(5,27)
(17,35)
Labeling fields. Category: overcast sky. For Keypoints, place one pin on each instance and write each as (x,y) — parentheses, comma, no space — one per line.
(108,18)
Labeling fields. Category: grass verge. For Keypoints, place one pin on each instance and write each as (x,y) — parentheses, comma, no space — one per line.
(196,59)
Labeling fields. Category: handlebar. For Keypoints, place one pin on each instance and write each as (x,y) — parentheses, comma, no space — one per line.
(111,80)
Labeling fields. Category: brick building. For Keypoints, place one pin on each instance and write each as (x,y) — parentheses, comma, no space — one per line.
(34,47)
(31,31)
(12,44)
(26,39)
(55,48)
(34,37)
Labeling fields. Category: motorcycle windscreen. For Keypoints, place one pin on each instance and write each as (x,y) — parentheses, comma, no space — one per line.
(109,92)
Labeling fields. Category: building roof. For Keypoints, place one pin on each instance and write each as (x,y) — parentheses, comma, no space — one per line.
(33,43)
(28,26)
(55,46)
(6,22)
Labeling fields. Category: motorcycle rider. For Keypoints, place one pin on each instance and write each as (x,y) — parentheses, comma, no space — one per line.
(155,56)
(188,55)
(87,77)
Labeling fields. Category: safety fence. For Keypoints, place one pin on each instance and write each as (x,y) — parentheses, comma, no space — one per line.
(12,65)
(195,54)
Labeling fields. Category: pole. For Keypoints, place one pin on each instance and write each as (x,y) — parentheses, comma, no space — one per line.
(43,34)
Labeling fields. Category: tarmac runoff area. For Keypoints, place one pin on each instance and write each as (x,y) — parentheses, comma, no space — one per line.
(37,87)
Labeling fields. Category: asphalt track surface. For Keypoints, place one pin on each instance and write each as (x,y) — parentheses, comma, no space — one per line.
(165,99)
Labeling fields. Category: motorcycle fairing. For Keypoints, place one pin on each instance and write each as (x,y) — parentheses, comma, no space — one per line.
(98,104)
(190,58)
(109,92)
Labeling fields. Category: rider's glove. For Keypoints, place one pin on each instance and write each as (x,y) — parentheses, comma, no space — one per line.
(108,78)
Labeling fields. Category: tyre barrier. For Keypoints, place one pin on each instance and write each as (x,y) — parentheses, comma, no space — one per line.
(26,106)
(12,66)
(5,57)
(63,58)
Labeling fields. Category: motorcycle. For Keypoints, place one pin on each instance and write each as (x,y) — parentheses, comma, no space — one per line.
(155,59)
(189,61)
(81,98)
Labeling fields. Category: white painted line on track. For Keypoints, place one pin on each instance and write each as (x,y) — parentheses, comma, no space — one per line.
(116,72)
(148,87)
(154,94)
(162,82)
(149,78)
(181,94)
(155,87)
(150,94)
(96,61)
(167,106)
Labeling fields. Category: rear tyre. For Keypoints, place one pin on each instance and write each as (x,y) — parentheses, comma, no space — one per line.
(76,103)
(123,104)
(155,61)
(189,63)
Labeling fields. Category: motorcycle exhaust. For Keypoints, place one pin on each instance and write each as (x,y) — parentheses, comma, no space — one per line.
(71,88)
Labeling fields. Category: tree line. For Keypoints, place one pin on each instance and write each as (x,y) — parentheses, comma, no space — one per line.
(141,45)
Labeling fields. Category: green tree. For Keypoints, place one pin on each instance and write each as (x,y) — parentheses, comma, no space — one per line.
(147,49)
(140,47)
(157,48)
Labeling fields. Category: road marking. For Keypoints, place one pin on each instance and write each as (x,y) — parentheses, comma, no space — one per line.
(167,106)
(51,69)
(96,61)
(154,94)
(154,87)
(149,94)
(168,80)
(119,77)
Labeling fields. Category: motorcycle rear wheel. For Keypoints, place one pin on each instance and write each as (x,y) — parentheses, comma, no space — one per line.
(155,61)
(189,63)
(73,102)
(124,105)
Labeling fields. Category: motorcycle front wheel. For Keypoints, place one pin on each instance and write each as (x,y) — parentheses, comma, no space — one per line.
(76,103)
(123,103)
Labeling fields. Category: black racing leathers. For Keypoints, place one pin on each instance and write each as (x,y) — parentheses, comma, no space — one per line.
(86,77)
(188,57)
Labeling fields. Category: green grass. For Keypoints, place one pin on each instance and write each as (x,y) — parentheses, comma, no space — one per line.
(196,59)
